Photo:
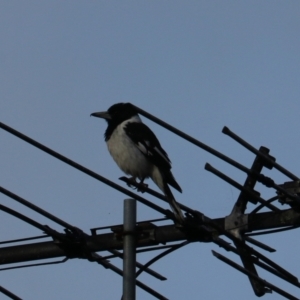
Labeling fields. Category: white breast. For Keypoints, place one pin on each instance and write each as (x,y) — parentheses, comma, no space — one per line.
(127,156)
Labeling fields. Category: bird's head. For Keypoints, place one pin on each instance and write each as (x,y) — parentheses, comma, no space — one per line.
(117,113)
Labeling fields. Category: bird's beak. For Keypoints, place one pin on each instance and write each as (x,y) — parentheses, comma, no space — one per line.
(102,114)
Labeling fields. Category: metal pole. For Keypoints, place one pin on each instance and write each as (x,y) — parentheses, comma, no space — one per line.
(129,257)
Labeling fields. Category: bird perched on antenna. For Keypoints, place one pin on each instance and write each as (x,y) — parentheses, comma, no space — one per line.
(137,151)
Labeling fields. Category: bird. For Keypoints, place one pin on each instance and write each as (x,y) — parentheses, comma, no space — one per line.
(137,151)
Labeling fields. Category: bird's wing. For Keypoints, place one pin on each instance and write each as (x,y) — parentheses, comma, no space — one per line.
(148,144)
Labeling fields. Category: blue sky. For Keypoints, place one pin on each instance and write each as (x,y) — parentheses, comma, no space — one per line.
(198,65)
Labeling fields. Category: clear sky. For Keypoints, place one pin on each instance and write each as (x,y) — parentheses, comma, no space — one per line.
(198,65)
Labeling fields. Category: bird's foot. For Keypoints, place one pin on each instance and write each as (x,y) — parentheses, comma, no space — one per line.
(132,183)
(139,186)
(142,187)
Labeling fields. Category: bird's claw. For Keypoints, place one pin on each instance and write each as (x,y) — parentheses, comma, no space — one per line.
(132,183)
(139,186)
(142,187)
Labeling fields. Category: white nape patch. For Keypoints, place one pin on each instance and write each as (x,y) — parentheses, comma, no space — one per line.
(126,153)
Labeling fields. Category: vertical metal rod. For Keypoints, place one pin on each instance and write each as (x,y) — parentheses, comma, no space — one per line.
(129,260)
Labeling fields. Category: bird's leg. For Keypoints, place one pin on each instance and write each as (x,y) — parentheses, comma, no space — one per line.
(131,182)
(139,186)
(142,186)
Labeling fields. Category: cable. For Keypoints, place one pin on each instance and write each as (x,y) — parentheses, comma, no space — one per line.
(259,207)
(9,294)
(24,239)
(87,171)
(36,208)
(36,265)
(156,258)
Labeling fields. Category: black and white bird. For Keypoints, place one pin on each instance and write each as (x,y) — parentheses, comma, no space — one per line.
(137,151)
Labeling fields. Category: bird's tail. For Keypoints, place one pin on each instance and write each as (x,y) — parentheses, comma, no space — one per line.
(173,204)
